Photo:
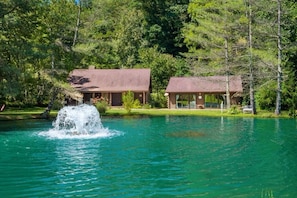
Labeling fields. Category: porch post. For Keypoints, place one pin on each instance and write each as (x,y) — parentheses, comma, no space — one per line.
(110,99)
(143,98)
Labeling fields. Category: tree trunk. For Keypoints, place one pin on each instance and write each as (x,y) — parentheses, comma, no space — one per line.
(47,111)
(279,59)
(251,83)
(77,25)
(228,100)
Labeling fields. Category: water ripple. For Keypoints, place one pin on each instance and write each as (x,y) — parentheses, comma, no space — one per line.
(235,158)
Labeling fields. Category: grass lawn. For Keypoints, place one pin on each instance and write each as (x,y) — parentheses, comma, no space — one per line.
(26,113)
(188,112)
(34,113)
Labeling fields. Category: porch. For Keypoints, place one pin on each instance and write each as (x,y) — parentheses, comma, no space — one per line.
(199,100)
(112,98)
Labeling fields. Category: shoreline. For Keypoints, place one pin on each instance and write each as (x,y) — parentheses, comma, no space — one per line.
(11,115)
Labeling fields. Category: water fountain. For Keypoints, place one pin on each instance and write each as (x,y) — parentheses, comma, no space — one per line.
(81,121)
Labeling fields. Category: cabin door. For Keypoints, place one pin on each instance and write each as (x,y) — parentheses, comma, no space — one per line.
(116,99)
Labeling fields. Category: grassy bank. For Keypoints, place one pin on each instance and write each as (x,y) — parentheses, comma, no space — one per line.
(193,112)
(34,113)
(22,114)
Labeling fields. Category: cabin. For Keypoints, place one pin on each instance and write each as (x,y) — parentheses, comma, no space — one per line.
(202,92)
(110,84)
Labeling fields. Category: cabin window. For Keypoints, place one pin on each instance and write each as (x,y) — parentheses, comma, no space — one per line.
(213,100)
(186,101)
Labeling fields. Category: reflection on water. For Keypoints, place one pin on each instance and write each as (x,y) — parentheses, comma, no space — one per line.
(170,156)
(76,166)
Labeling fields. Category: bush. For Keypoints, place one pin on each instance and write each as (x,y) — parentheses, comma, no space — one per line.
(234,110)
(136,104)
(146,106)
(158,100)
(101,106)
(128,100)
(266,96)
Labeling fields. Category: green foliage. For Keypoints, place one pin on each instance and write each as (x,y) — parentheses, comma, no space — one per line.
(158,100)
(101,106)
(128,101)
(129,36)
(136,104)
(58,104)
(163,66)
(290,55)
(290,92)
(110,34)
(163,22)
(38,50)
(213,25)
(146,106)
(18,21)
(35,36)
(266,95)
(234,110)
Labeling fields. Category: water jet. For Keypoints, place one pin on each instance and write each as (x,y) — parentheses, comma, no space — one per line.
(82,121)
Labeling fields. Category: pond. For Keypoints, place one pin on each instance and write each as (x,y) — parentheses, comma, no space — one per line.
(166,156)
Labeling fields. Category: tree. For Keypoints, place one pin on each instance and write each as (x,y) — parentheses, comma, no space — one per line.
(128,101)
(129,35)
(18,26)
(164,20)
(289,38)
(279,59)
(251,62)
(100,31)
(269,44)
(58,32)
(163,66)
(213,34)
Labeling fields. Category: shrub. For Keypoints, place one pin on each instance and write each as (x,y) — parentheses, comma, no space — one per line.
(158,100)
(101,106)
(234,110)
(266,96)
(136,104)
(146,106)
(128,101)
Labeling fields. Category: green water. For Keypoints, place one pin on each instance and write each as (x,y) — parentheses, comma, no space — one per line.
(153,157)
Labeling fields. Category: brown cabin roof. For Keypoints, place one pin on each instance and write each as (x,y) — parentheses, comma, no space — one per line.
(110,80)
(210,84)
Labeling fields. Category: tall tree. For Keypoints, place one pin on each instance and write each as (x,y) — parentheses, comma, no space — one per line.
(267,31)
(279,58)
(289,40)
(19,21)
(213,35)
(250,52)
(161,66)
(96,45)
(164,20)
(59,29)
(129,35)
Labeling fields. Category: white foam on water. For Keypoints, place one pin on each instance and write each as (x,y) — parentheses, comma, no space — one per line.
(81,122)
(53,134)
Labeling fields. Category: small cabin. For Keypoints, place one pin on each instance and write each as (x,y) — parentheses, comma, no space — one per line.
(202,92)
(110,84)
